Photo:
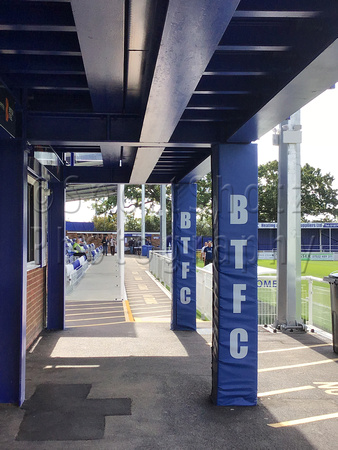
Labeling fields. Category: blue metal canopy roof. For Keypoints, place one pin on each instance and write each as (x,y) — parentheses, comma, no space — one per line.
(153,84)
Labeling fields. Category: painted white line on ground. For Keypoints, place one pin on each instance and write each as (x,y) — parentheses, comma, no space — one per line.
(93,318)
(94,324)
(35,345)
(291,423)
(82,366)
(94,313)
(304,347)
(285,391)
(110,307)
(293,366)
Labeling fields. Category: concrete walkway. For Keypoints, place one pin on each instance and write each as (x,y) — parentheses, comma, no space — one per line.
(125,385)
(149,301)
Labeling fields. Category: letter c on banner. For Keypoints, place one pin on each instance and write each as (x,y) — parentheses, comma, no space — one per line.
(185,295)
(237,336)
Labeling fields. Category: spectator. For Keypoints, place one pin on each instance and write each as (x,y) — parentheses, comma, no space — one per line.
(112,245)
(203,252)
(208,254)
(105,245)
(78,249)
(131,244)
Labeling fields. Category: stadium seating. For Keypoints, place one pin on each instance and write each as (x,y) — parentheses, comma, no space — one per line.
(76,266)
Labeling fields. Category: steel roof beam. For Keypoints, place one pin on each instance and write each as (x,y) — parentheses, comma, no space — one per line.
(95,129)
(198,172)
(85,146)
(49,101)
(36,64)
(191,34)
(38,28)
(100,28)
(83,128)
(78,174)
(27,41)
(276,14)
(30,13)
(35,81)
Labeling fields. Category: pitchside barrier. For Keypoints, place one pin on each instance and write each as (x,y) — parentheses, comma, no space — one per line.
(316,309)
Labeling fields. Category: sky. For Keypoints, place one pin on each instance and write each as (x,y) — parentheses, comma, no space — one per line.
(319,147)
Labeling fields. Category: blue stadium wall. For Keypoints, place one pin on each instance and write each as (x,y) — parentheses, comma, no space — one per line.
(314,237)
(84,227)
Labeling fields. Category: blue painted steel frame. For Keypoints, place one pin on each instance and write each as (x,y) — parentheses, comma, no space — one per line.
(235,324)
(56,258)
(184,197)
(13,274)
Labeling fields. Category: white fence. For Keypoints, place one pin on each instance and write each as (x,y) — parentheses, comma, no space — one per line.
(316,310)
(160,265)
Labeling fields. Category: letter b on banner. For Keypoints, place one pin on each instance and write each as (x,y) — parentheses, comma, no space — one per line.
(185,220)
(238,211)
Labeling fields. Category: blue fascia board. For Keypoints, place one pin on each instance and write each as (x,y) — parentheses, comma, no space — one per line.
(97,174)
(82,128)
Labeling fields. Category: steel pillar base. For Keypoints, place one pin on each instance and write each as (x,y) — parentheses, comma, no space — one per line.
(296,326)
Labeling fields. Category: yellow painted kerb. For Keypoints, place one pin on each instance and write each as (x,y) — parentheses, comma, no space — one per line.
(127,311)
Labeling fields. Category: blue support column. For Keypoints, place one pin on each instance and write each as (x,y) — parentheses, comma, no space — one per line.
(234,346)
(13,274)
(184,257)
(56,258)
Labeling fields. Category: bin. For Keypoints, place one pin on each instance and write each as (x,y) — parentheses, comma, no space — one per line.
(333,280)
(146,249)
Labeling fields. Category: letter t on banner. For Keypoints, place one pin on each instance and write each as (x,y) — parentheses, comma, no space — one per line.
(184,202)
(234,342)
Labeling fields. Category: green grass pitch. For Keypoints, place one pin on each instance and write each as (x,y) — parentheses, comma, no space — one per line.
(318,269)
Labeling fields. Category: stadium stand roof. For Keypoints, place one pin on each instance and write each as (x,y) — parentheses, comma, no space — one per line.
(144,88)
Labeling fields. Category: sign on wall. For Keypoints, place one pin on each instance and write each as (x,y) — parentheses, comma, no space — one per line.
(7,114)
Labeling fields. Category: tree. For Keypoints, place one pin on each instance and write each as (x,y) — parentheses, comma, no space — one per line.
(318,197)
(105,223)
(133,200)
(132,224)
(107,207)
(267,192)
(152,222)
(204,206)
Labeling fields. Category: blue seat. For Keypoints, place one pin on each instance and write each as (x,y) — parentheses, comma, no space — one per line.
(76,264)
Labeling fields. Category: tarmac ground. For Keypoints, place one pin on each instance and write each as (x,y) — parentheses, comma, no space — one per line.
(118,378)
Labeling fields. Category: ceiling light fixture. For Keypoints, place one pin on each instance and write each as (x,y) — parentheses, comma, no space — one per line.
(121,156)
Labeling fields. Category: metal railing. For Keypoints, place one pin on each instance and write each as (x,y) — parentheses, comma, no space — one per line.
(160,265)
(316,310)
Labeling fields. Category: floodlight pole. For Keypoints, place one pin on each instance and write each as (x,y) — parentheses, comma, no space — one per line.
(120,236)
(289,228)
